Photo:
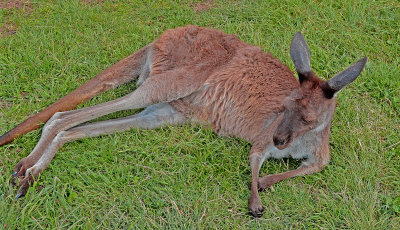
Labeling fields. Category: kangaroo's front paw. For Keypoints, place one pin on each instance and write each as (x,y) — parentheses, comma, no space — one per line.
(255,206)
(256,210)
(266,182)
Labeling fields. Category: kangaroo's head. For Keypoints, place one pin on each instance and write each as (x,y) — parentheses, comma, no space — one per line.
(311,106)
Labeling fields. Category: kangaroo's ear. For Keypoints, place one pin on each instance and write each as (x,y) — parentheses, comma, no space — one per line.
(343,78)
(300,55)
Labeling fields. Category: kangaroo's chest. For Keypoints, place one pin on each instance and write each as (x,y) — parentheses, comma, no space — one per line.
(303,147)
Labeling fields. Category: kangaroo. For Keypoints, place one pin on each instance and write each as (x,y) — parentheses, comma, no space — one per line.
(203,76)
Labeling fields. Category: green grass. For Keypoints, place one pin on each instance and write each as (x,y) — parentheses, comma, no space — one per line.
(188,177)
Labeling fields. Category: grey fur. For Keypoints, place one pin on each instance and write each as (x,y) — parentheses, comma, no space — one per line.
(300,54)
(346,76)
(154,116)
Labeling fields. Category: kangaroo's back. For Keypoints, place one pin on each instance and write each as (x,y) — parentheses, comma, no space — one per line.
(200,50)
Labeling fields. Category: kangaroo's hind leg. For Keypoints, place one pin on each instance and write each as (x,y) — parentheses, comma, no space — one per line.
(153,117)
(137,64)
(128,69)
(163,87)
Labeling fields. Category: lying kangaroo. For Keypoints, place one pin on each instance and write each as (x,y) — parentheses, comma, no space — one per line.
(201,75)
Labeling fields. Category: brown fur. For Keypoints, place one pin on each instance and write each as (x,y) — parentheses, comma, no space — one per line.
(241,86)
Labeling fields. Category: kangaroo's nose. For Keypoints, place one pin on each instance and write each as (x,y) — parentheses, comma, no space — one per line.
(282,141)
(279,141)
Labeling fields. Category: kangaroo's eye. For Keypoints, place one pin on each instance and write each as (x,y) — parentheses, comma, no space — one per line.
(308,118)
(305,120)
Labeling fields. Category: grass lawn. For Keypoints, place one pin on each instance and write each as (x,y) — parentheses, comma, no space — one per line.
(188,177)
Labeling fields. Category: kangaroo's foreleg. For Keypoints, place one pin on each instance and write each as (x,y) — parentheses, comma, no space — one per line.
(154,116)
(256,161)
(137,64)
(307,167)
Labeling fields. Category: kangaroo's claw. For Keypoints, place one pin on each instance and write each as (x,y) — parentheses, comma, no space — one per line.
(19,195)
(20,178)
(24,186)
(257,212)
(17,174)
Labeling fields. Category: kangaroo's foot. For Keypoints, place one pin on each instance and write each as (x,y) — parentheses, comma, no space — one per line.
(20,169)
